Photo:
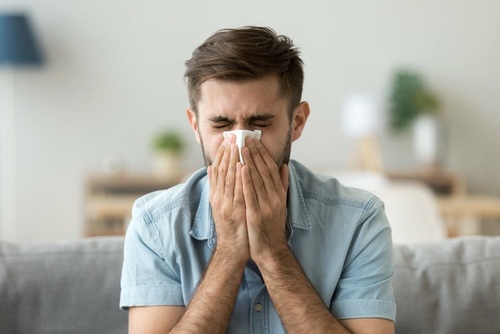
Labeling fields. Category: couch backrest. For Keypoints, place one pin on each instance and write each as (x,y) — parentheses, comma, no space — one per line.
(451,286)
(61,287)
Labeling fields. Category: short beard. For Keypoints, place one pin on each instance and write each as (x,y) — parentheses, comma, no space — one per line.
(207,159)
(284,157)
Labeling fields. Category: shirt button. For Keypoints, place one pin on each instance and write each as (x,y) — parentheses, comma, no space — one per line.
(258,307)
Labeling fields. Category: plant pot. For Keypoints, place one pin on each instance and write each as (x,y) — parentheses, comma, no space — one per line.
(167,166)
(427,141)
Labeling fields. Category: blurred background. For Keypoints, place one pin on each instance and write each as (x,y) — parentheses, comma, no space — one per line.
(84,121)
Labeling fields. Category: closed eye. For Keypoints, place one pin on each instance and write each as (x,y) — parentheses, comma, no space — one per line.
(261,121)
(220,126)
(260,125)
(220,122)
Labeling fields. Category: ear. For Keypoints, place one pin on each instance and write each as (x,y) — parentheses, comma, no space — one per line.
(299,119)
(193,121)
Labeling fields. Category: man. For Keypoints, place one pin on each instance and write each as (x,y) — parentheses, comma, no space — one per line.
(261,245)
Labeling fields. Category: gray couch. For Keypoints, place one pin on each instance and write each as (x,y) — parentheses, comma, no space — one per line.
(73,287)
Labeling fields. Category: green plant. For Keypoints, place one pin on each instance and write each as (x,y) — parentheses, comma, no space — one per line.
(168,140)
(409,98)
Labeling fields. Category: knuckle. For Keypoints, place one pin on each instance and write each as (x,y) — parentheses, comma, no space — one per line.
(221,170)
(273,167)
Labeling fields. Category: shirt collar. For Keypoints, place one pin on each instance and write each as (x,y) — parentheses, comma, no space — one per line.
(204,228)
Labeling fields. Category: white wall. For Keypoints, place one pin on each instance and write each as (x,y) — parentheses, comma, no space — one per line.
(114,76)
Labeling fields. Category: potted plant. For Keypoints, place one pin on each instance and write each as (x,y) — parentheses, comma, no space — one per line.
(410,99)
(412,106)
(168,146)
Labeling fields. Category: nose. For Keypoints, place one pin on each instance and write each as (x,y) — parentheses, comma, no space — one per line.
(240,127)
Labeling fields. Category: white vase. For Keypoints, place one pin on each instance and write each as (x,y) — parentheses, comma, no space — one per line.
(167,166)
(427,141)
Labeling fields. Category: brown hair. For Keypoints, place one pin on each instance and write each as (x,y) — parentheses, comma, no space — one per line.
(246,53)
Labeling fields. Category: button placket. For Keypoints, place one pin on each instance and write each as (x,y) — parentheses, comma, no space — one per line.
(258,314)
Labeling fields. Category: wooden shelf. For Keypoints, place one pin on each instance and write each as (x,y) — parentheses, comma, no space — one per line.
(465,213)
(442,182)
(481,206)
(109,200)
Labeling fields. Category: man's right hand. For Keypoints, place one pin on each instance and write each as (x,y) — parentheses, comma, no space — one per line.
(220,282)
(228,202)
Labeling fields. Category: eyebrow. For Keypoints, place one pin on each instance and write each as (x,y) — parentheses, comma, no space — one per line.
(261,118)
(253,118)
(220,119)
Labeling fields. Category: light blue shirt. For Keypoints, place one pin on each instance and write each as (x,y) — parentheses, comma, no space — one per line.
(339,235)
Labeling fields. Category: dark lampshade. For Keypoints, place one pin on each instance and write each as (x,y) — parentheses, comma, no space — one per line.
(17,42)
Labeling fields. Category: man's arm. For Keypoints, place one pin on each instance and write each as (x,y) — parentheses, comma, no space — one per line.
(212,304)
(297,303)
(299,306)
(210,309)
(217,290)
(153,319)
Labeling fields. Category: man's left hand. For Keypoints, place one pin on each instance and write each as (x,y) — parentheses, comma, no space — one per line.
(265,190)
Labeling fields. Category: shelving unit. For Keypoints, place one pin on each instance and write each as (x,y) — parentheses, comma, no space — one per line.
(109,200)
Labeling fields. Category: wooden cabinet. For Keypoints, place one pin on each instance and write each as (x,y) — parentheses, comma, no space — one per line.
(109,200)
(442,182)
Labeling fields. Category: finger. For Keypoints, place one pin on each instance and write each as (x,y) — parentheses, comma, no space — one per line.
(210,181)
(272,169)
(230,178)
(284,176)
(249,194)
(250,157)
(257,160)
(265,167)
(222,148)
(239,198)
(213,173)
(223,166)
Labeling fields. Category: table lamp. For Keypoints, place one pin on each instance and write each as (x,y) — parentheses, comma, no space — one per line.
(362,119)
(18,48)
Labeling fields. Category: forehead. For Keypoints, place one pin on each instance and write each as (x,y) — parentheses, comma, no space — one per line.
(241,98)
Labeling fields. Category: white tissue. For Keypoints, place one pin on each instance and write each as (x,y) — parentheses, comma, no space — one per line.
(240,138)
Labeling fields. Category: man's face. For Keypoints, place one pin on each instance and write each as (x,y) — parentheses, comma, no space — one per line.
(246,105)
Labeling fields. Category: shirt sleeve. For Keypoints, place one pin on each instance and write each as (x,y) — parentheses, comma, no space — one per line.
(364,289)
(148,278)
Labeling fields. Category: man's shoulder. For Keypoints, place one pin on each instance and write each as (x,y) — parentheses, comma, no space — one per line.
(184,196)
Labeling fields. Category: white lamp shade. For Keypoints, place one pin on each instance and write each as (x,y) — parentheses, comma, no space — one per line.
(362,115)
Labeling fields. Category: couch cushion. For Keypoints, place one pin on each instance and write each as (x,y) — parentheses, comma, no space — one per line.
(451,286)
(62,287)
